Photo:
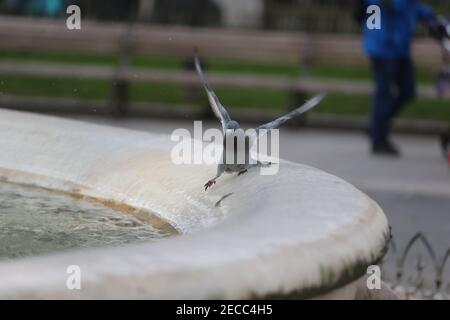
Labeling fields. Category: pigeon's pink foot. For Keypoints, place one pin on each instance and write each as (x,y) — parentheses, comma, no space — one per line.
(242,172)
(209,183)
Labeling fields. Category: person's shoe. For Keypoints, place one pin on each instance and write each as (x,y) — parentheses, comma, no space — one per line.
(385,149)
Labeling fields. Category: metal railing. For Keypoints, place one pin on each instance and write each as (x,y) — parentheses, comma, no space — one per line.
(427,277)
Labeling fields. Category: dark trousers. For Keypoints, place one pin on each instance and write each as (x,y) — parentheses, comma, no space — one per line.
(395,85)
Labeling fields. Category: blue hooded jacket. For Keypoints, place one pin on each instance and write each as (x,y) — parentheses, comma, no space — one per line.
(398,25)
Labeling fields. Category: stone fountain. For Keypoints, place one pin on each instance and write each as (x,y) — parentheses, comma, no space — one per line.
(302,233)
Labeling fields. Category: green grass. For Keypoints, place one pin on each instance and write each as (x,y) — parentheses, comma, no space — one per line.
(424,76)
(54,87)
(161,92)
(421,108)
(139,91)
(216,65)
(177,94)
(170,93)
(55,57)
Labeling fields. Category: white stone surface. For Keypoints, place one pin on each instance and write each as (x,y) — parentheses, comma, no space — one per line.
(273,235)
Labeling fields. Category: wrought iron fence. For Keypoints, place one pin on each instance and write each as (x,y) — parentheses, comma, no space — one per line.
(427,277)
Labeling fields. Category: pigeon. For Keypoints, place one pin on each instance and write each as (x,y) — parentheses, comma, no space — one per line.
(230,128)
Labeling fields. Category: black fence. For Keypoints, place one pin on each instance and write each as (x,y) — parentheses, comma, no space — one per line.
(417,269)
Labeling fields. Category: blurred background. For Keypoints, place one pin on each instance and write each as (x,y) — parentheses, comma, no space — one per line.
(131,65)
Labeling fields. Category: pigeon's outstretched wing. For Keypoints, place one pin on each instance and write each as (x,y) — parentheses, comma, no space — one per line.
(217,107)
(306,107)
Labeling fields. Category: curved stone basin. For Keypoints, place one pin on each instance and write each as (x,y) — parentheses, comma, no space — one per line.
(302,233)
(35,221)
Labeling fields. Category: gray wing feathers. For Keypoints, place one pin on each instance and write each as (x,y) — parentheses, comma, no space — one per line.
(216,106)
(304,108)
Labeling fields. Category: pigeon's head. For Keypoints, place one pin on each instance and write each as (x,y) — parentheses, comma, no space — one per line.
(233,125)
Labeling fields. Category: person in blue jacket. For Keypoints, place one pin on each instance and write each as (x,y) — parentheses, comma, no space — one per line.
(389,49)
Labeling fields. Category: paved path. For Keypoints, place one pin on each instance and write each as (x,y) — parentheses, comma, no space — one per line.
(414,191)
